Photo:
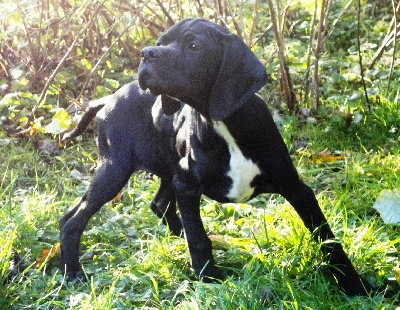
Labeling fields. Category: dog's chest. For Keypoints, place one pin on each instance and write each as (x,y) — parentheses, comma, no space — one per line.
(242,170)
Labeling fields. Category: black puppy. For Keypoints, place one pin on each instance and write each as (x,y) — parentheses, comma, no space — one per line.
(207,133)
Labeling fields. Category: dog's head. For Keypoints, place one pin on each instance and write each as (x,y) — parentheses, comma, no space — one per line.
(203,65)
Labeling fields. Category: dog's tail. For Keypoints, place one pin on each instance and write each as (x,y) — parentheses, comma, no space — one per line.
(94,107)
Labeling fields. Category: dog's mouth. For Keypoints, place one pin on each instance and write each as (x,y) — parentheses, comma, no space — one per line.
(146,81)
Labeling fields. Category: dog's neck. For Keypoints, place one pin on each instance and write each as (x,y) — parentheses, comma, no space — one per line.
(199,104)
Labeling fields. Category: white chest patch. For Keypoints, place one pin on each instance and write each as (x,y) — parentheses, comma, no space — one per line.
(242,170)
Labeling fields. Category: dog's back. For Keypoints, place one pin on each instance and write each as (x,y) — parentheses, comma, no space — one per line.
(124,130)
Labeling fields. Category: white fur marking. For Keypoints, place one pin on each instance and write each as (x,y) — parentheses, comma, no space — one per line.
(242,170)
(156,110)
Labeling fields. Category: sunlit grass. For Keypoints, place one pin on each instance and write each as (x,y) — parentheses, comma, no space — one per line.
(269,260)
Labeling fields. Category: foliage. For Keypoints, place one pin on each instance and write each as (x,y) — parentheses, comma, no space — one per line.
(347,151)
(262,247)
(55,55)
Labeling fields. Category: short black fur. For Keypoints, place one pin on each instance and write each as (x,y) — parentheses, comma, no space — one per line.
(209,78)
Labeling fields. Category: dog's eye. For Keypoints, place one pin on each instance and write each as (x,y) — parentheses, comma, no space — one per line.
(194,46)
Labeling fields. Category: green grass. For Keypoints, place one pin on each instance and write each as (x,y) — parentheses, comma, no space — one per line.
(269,259)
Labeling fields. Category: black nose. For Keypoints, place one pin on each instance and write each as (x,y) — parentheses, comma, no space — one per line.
(149,53)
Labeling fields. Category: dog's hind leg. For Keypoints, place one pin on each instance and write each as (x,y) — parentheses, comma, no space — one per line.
(164,206)
(107,181)
(303,200)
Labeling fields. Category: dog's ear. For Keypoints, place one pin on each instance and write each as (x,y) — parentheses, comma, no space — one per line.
(240,76)
(169,105)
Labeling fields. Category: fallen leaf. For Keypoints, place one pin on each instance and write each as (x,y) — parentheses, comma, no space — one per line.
(76,174)
(322,158)
(388,206)
(47,254)
(88,256)
(35,127)
(47,146)
(220,242)
(118,197)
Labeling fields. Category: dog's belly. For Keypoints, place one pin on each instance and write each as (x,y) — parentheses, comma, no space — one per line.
(242,170)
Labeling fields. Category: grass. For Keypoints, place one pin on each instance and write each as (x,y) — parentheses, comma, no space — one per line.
(267,255)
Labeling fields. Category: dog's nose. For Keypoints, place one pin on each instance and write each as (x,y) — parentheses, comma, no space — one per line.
(149,53)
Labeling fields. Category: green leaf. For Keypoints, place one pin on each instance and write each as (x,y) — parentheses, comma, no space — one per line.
(388,206)
(86,63)
(112,83)
(102,91)
(60,122)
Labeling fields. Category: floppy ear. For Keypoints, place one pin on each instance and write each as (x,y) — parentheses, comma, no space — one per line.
(169,105)
(240,76)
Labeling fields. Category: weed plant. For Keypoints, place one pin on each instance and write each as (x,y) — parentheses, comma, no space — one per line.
(267,256)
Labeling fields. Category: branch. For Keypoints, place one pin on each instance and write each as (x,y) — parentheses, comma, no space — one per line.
(253,22)
(59,66)
(285,76)
(33,52)
(388,38)
(320,36)
(96,66)
(165,11)
(360,56)
(394,20)
(332,28)
(309,52)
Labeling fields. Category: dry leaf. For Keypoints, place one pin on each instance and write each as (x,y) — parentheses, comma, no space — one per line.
(322,158)
(47,254)
(219,242)
(118,197)
(35,127)
(47,147)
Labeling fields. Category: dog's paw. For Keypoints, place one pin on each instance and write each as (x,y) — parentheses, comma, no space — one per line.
(357,287)
(210,274)
(76,276)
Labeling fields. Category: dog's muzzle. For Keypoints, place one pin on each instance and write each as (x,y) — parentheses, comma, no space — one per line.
(146,76)
(150,53)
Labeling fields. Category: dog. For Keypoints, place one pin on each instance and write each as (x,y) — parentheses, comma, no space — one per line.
(194,119)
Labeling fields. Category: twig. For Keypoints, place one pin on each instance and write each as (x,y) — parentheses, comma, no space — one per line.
(332,28)
(238,26)
(360,56)
(61,63)
(320,36)
(394,45)
(388,38)
(285,76)
(309,52)
(165,11)
(96,66)
(262,35)
(254,21)
(32,50)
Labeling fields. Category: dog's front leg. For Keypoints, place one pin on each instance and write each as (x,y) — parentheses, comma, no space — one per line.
(188,196)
